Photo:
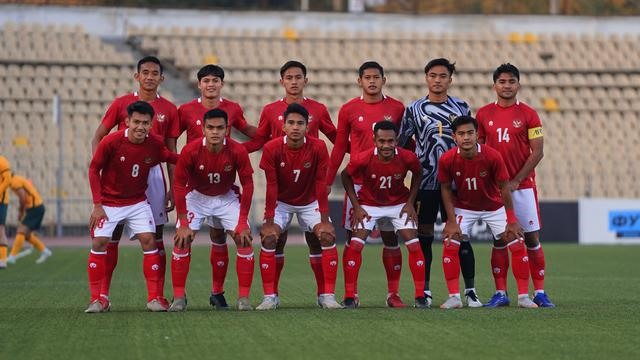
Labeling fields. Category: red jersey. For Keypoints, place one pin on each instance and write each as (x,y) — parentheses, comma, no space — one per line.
(119,170)
(213,173)
(383,182)
(272,121)
(476,180)
(509,130)
(191,114)
(355,128)
(295,176)
(165,118)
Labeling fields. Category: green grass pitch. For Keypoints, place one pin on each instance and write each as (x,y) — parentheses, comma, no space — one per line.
(596,289)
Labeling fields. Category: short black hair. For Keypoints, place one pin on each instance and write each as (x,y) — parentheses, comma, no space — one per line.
(463,120)
(384,125)
(451,66)
(140,107)
(214,70)
(506,69)
(296,108)
(293,64)
(370,65)
(215,114)
(150,59)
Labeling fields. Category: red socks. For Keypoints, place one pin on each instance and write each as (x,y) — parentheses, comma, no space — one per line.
(329,269)
(279,267)
(315,260)
(219,258)
(392,261)
(416,265)
(180,262)
(351,261)
(96,272)
(151,270)
(268,270)
(111,260)
(163,266)
(537,266)
(520,266)
(499,267)
(451,266)
(244,268)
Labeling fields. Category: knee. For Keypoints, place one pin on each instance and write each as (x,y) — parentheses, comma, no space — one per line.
(147,241)
(532,239)
(269,242)
(314,244)
(327,240)
(217,236)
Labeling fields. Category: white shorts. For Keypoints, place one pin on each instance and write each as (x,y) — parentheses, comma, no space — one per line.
(137,219)
(221,211)
(383,224)
(525,205)
(388,214)
(497,220)
(156,193)
(308,215)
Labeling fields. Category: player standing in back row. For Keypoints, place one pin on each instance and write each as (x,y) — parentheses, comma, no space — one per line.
(356,120)
(428,119)
(515,130)
(293,78)
(165,125)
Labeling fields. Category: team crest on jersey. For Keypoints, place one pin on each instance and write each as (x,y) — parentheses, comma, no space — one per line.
(310,118)
(397,176)
(198,122)
(490,122)
(360,118)
(201,167)
(387,118)
(483,173)
(452,117)
(228,168)
(122,158)
(517,123)
(307,164)
(148,160)
(160,117)
(282,164)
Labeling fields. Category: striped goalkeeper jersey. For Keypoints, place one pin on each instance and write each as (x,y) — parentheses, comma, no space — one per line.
(430,124)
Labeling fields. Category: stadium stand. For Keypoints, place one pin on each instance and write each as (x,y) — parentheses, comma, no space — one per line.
(585,87)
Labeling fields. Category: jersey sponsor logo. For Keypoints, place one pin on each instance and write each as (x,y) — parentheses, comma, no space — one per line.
(148,160)
(535,133)
(122,158)
(517,123)
(483,173)
(452,117)
(388,118)
(160,117)
(228,168)
(307,164)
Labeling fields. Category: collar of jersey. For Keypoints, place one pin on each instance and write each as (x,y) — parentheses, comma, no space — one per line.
(204,141)
(478,145)
(284,139)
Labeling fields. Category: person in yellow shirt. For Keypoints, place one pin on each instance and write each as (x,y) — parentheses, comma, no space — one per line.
(31,214)
(5,181)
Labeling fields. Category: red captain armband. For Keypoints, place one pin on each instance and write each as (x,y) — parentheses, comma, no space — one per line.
(511,217)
